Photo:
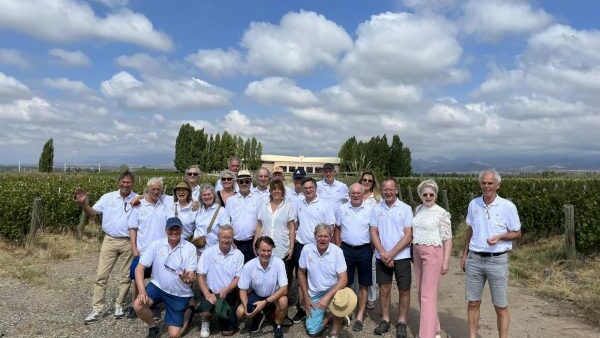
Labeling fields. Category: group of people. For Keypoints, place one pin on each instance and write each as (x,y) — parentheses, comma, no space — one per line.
(232,251)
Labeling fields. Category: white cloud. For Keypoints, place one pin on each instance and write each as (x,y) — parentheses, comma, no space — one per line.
(35,110)
(70,58)
(491,20)
(11,88)
(301,42)
(158,93)
(70,20)
(12,57)
(402,46)
(279,90)
(150,65)
(67,84)
(217,62)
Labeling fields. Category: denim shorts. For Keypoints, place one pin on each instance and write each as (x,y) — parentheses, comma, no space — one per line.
(174,306)
(480,269)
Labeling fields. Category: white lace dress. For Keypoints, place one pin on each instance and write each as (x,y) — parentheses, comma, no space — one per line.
(431,226)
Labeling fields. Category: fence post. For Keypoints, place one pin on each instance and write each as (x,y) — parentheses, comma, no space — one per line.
(445,200)
(569,211)
(36,218)
(411,200)
(400,193)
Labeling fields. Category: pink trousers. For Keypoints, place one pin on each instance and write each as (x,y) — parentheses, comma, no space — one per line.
(428,266)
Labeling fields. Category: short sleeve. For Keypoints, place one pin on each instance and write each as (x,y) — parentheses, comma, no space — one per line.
(281,274)
(261,213)
(445,226)
(514,223)
(203,263)
(330,215)
(200,229)
(408,217)
(338,216)
(373,219)
(244,282)
(470,221)
(223,217)
(100,205)
(291,211)
(148,255)
(132,220)
(191,257)
(340,261)
(239,263)
(302,259)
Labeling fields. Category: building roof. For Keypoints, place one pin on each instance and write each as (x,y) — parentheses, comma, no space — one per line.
(300,159)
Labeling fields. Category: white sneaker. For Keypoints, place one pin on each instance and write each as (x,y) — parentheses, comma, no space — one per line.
(205,329)
(119,313)
(92,317)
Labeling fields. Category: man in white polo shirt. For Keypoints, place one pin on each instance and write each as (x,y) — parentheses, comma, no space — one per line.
(391,234)
(263,177)
(219,270)
(311,211)
(146,224)
(353,237)
(331,190)
(243,209)
(173,261)
(493,225)
(114,208)
(263,287)
(321,274)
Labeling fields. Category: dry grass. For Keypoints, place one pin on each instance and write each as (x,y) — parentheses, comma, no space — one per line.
(32,265)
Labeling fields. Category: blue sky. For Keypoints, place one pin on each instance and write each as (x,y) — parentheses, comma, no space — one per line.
(113,80)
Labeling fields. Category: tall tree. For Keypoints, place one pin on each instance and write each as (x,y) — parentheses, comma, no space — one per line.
(183,147)
(383,154)
(218,153)
(46,161)
(198,145)
(396,161)
(348,154)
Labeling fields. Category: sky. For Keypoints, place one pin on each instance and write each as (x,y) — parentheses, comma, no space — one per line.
(113,80)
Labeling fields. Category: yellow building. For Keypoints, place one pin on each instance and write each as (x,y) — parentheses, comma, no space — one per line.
(312,165)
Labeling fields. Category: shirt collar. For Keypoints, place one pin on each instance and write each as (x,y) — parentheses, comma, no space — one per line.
(393,205)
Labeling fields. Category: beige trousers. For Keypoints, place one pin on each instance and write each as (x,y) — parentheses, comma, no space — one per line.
(112,249)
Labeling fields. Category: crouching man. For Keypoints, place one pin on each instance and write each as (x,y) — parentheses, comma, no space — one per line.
(173,261)
(263,288)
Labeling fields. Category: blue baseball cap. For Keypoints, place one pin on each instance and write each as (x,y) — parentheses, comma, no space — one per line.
(299,174)
(173,222)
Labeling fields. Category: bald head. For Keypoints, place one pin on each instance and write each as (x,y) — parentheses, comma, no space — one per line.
(356,192)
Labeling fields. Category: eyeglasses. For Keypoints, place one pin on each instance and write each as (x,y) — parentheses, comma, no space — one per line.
(244,182)
(486,212)
(226,179)
(174,261)
(192,174)
(125,204)
(428,195)
(366,180)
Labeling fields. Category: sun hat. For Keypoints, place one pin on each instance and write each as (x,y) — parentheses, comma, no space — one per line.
(222,309)
(343,303)
(243,174)
(182,184)
(173,222)
(277,169)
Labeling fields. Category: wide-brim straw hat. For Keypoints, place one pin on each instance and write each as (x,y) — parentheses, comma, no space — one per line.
(343,303)
(181,185)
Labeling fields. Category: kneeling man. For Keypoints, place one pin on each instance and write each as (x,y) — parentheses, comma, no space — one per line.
(173,261)
(321,273)
(263,287)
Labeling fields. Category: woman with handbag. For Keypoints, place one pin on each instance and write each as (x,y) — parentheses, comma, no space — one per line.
(211,217)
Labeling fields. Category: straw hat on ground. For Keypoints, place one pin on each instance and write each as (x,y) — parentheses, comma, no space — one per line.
(343,303)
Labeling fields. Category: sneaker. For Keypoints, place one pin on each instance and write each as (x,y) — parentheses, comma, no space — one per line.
(119,313)
(131,313)
(358,326)
(382,328)
(153,332)
(92,317)
(205,329)
(370,306)
(156,313)
(401,330)
(257,322)
(278,332)
(299,316)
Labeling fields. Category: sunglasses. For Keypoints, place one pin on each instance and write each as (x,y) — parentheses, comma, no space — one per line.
(224,179)
(244,182)
(428,195)
(192,174)
(366,180)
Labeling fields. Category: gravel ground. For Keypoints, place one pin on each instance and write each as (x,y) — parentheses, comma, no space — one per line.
(57,309)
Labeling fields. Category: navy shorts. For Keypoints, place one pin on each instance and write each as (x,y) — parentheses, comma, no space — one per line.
(174,306)
(231,299)
(359,257)
(253,298)
(134,263)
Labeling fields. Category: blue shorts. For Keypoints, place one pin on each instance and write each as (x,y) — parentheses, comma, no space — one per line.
(314,321)
(359,258)
(134,263)
(253,298)
(174,306)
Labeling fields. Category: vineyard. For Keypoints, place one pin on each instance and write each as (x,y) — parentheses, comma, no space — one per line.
(539,201)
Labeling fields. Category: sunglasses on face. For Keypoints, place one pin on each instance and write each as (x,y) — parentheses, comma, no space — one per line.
(192,174)
(428,195)
(226,179)
(244,182)
(366,180)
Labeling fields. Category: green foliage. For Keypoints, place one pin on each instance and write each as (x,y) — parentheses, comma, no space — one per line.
(376,155)
(46,161)
(183,147)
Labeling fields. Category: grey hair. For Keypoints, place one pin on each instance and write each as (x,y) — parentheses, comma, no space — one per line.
(155,180)
(227,172)
(206,186)
(226,227)
(262,168)
(490,171)
(428,183)
(362,188)
(322,226)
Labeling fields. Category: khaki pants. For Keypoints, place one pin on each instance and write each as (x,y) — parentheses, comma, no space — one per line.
(112,249)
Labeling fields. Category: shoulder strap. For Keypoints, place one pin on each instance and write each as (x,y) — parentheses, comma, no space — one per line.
(212,221)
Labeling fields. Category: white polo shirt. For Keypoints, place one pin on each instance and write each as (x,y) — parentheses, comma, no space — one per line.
(203,219)
(391,223)
(168,263)
(150,219)
(187,217)
(263,195)
(334,193)
(354,223)
(264,282)
(244,215)
(322,271)
(220,269)
(486,221)
(310,215)
(275,225)
(196,193)
(115,212)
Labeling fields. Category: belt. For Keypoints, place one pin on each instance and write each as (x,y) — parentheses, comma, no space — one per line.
(127,237)
(356,246)
(489,254)
(244,241)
